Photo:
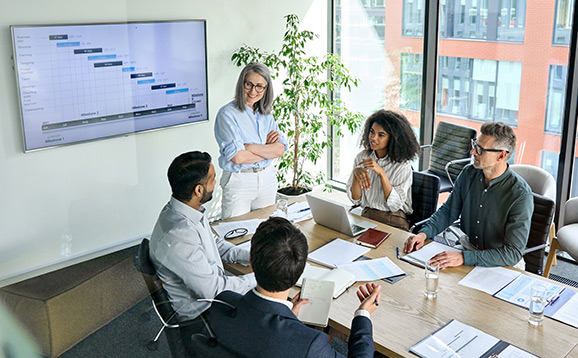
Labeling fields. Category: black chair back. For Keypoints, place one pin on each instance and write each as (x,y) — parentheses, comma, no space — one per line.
(451,142)
(537,240)
(160,300)
(425,191)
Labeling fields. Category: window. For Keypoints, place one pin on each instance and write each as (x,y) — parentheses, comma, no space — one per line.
(556,98)
(410,91)
(490,20)
(563,22)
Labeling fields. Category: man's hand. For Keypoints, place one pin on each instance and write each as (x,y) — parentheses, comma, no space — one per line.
(448,259)
(362,177)
(272,137)
(414,243)
(369,295)
(297,303)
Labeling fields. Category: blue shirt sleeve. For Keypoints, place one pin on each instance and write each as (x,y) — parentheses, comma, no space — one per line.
(228,134)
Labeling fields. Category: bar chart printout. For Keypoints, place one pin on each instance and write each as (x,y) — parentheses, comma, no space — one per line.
(84,82)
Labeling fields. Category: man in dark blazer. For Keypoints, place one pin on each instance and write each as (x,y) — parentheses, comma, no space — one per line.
(263,323)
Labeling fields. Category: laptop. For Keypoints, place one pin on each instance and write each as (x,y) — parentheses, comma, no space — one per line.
(335,216)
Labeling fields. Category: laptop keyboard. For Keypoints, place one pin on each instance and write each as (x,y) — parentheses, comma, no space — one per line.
(356,228)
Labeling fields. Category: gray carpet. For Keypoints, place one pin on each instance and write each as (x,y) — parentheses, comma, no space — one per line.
(130,334)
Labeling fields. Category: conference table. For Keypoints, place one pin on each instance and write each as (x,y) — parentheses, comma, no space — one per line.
(405,316)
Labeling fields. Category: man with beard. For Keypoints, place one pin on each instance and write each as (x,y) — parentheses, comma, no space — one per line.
(495,205)
(184,250)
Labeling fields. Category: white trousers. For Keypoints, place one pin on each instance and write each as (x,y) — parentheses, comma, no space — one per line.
(245,192)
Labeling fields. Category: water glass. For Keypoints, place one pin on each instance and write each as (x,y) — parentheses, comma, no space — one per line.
(432,274)
(282,208)
(537,304)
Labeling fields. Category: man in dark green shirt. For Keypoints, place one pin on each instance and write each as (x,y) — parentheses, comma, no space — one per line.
(495,205)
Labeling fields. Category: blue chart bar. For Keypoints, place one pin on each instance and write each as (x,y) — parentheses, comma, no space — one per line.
(67,44)
(102,57)
(163,86)
(143,82)
(180,90)
(128,69)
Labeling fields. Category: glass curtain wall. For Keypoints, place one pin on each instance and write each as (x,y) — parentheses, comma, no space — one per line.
(498,60)
(379,42)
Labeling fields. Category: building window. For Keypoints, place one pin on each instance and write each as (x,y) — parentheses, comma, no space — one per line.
(563,22)
(556,98)
(479,89)
(410,80)
(490,20)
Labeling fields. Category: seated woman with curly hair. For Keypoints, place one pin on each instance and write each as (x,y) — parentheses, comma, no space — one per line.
(382,175)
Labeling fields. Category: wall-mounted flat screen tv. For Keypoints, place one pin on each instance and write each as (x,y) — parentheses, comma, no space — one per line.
(84,82)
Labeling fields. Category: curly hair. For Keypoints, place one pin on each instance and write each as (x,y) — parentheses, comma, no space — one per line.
(402,145)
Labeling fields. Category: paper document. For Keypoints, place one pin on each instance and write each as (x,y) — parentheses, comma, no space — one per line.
(296,211)
(518,291)
(489,279)
(337,252)
(371,270)
(342,279)
(319,293)
(223,228)
(421,256)
(457,340)
(564,308)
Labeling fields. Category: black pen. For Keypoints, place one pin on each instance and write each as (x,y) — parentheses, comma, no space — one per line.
(397,252)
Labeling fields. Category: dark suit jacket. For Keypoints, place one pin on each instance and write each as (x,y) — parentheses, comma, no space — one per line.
(261,328)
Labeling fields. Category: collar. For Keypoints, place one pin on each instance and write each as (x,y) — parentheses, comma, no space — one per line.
(196,216)
(276,300)
(374,156)
(507,173)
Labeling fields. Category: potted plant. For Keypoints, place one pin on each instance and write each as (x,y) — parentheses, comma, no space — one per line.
(305,110)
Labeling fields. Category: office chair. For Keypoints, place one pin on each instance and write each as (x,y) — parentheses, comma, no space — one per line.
(425,191)
(161,305)
(543,183)
(450,152)
(567,238)
(542,218)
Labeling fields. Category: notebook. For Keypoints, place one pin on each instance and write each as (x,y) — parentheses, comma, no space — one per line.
(372,238)
(343,279)
(319,293)
(421,256)
(337,252)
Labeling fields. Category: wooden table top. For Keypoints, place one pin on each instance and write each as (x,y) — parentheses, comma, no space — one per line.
(405,316)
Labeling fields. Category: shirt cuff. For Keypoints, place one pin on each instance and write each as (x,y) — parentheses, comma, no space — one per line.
(362,313)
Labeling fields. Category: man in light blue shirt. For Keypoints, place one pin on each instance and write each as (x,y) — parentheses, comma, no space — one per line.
(249,140)
(184,250)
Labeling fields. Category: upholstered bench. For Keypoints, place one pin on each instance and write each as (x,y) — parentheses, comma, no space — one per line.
(61,308)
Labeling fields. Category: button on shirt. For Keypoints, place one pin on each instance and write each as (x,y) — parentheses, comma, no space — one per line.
(400,176)
(188,257)
(234,128)
(496,218)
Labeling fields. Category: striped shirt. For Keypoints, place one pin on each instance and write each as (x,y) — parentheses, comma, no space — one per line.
(400,176)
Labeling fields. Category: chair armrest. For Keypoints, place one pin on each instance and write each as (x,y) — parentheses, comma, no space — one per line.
(535,248)
(453,162)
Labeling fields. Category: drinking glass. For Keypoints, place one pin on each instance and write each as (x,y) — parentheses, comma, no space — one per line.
(432,274)
(537,304)
(282,208)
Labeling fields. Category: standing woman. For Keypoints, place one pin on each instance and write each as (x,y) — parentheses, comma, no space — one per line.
(249,140)
(382,175)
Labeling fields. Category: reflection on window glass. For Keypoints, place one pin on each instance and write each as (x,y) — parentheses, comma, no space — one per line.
(410,79)
(556,98)
(490,20)
(563,22)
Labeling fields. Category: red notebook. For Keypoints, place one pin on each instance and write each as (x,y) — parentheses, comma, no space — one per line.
(372,238)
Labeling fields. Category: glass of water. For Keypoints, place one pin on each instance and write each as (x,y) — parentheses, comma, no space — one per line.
(282,208)
(432,274)
(537,304)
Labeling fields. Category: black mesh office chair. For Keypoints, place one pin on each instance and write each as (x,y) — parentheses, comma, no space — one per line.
(450,152)
(161,305)
(425,191)
(540,228)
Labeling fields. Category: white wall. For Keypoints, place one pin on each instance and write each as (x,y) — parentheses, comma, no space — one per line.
(112,190)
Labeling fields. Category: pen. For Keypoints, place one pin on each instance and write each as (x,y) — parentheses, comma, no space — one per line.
(302,210)
(376,303)
(397,252)
(553,299)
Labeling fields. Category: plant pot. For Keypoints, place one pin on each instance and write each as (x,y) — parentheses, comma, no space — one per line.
(288,193)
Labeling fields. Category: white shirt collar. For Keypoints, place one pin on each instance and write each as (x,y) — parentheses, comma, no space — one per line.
(283,302)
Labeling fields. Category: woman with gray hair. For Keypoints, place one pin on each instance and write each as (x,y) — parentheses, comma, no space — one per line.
(249,140)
